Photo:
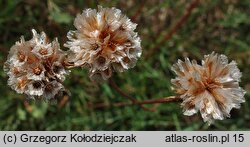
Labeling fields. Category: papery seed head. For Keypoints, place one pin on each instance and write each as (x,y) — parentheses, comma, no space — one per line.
(211,88)
(31,66)
(104,40)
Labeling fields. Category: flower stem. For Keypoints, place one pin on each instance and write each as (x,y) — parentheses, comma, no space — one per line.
(63,101)
(132,99)
(124,104)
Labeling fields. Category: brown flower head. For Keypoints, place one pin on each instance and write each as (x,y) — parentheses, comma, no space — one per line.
(104,42)
(35,65)
(211,88)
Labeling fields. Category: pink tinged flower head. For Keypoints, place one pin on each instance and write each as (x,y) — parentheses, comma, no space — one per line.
(104,41)
(211,88)
(35,65)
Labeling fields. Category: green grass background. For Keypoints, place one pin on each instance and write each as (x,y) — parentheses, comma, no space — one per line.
(215,25)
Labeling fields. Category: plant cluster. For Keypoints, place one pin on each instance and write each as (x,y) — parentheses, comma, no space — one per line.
(104,42)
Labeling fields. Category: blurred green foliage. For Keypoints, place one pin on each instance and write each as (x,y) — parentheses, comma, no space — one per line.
(219,25)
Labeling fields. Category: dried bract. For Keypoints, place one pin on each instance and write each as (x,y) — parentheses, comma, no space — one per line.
(105,41)
(211,88)
(35,67)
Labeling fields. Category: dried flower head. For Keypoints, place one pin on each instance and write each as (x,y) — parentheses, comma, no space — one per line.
(211,88)
(35,67)
(104,42)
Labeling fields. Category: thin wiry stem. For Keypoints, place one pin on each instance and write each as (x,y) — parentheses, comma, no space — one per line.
(63,101)
(132,99)
(124,104)
(175,27)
